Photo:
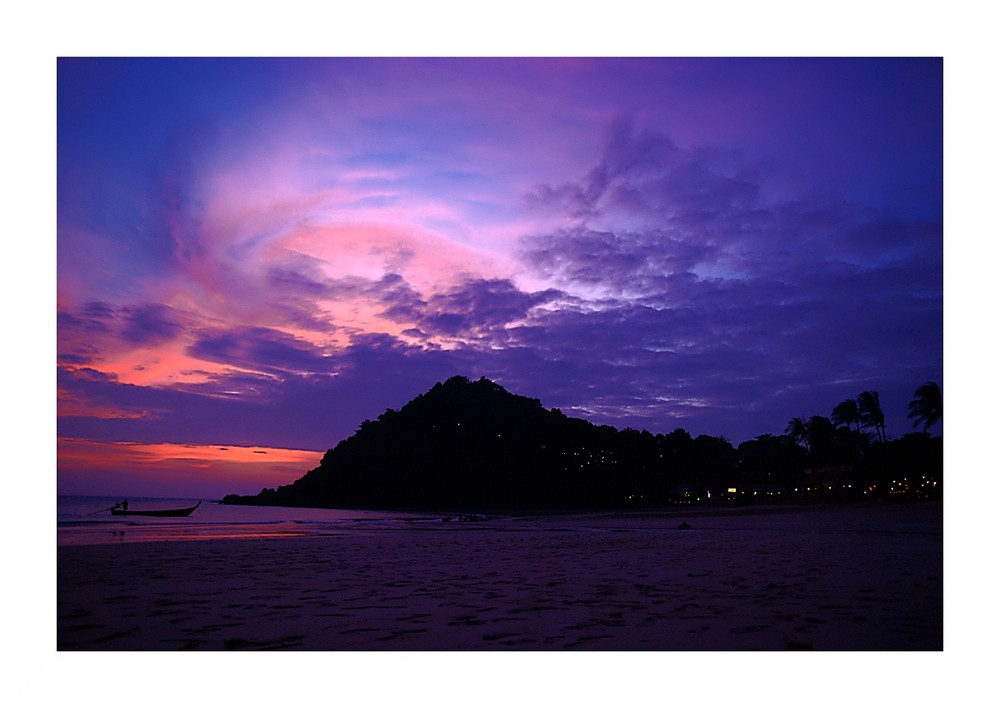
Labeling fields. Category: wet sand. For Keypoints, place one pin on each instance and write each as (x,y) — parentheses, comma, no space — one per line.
(847,578)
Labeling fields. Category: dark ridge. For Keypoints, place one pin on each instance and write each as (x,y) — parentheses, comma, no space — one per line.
(468,445)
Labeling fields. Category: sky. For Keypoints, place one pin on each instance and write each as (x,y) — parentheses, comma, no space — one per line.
(256,255)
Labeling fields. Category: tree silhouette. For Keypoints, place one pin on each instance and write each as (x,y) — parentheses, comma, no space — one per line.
(799,431)
(820,432)
(847,413)
(770,459)
(925,408)
(870,410)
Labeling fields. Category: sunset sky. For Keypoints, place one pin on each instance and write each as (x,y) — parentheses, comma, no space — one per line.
(255,255)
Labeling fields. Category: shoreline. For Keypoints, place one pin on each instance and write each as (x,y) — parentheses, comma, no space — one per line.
(693,509)
(862,579)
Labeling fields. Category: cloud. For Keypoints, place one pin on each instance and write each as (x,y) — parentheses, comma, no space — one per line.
(96,329)
(694,296)
(149,324)
(624,262)
(478,306)
(260,349)
(403,303)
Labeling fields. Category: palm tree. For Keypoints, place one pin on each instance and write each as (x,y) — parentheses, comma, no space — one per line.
(871,413)
(926,405)
(846,413)
(798,430)
(820,431)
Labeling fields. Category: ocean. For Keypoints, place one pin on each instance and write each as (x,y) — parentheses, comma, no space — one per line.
(85,520)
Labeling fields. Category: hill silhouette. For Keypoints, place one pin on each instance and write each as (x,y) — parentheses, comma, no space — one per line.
(472,445)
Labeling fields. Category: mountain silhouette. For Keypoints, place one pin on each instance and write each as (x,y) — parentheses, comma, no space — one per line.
(473,446)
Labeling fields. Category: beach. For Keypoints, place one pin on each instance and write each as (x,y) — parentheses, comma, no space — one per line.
(865,577)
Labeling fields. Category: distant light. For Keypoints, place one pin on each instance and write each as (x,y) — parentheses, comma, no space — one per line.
(731,490)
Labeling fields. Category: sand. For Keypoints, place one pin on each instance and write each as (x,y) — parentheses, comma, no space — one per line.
(848,578)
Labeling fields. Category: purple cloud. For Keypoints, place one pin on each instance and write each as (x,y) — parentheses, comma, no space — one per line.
(149,324)
(260,349)
(478,306)
(712,298)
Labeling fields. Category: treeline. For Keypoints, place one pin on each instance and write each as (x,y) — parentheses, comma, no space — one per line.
(467,445)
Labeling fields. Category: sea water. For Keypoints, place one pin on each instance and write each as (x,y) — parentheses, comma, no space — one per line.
(82,520)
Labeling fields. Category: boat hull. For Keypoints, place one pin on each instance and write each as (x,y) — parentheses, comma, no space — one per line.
(155,512)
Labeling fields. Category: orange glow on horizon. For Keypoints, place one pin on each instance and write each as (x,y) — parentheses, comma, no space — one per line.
(87,467)
(76,452)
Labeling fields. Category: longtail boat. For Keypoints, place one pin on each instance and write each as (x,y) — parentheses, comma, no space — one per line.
(155,512)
